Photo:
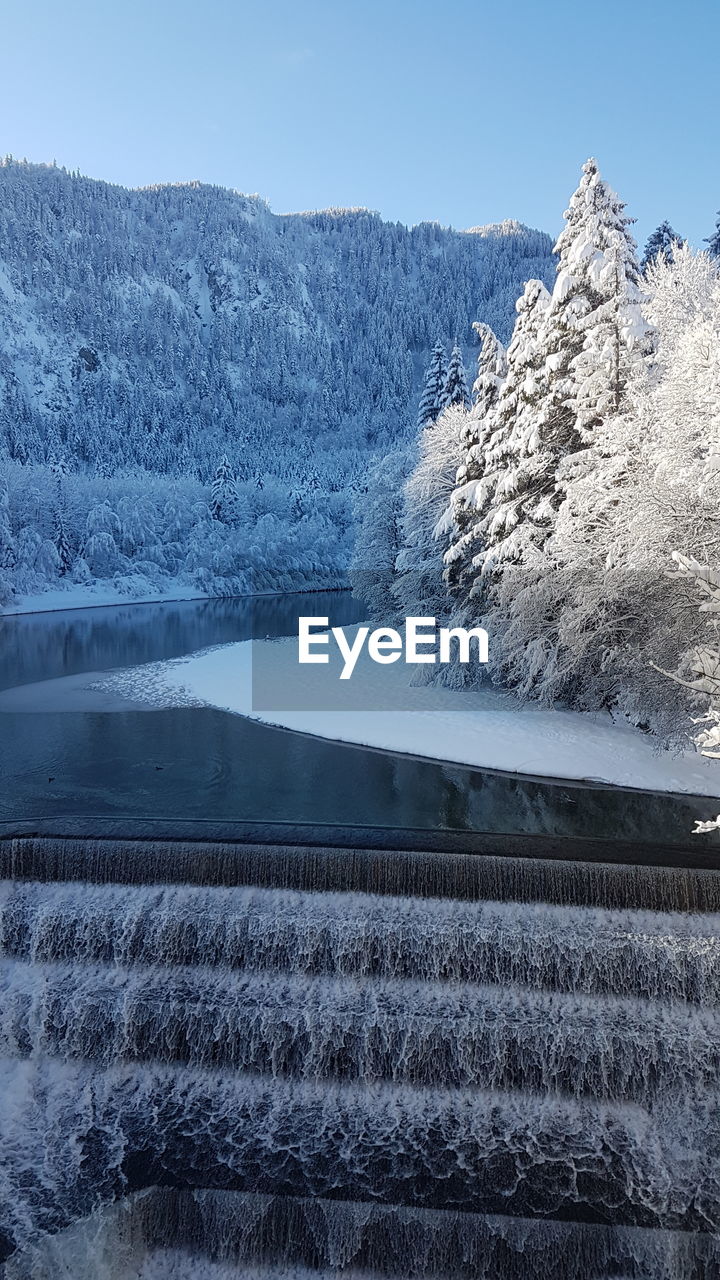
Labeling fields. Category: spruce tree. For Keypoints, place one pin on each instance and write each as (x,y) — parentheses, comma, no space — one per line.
(596,308)
(580,346)
(432,398)
(519,465)
(7,542)
(594,341)
(62,547)
(456,388)
(463,515)
(610,612)
(223,494)
(662,241)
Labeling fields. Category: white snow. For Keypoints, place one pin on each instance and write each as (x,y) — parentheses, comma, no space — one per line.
(485,729)
(94,595)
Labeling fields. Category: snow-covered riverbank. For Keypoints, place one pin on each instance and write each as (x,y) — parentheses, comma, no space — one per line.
(102,595)
(380,708)
(96,595)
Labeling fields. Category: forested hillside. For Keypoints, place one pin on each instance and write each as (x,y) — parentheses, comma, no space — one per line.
(153,339)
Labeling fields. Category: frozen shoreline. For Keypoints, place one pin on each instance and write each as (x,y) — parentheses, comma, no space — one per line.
(89,598)
(483,729)
(92,598)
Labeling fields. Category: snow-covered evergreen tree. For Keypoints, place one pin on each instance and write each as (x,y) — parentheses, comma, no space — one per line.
(703,663)
(379,536)
(572,355)
(432,400)
(663,240)
(456,388)
(592,629)
(60,540)
(47,560)
(223,493)
(8,558)
(62,547)
(419,587)
(520,463)
(597,296)
(460,523)
(7,542)
(594,340)
(508,501)
(554,337)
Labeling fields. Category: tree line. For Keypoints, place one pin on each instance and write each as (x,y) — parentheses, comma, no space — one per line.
(572,507)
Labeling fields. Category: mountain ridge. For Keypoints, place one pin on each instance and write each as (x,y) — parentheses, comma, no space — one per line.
(153,331)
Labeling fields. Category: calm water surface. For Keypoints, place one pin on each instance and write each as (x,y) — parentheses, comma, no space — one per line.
(203,763)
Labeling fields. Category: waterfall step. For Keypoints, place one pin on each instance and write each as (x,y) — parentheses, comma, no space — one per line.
(431,1034)
(166,1234)
(588,950)
(476,1059)
(73,1133)
(625,880)
(174,1264)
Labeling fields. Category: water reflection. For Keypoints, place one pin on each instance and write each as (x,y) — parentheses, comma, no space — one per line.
(48,645)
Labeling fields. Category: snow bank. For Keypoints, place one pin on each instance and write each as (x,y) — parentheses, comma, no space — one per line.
(95,595)
(486,729)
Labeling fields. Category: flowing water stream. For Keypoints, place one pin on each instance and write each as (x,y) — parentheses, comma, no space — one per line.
(280,1059)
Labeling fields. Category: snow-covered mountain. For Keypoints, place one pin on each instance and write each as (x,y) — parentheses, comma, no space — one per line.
(150,332)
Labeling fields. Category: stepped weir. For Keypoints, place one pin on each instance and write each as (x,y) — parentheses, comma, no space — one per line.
(325,1052)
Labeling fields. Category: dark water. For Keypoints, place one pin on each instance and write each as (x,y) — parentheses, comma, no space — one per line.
(197,763)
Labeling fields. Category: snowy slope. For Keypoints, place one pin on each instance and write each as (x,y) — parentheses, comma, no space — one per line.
(145,334)
(136,324)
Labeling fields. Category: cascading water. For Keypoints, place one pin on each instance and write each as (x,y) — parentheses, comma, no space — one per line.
(266,1078)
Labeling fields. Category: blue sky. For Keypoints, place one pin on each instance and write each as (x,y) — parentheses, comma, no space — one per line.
(463,111)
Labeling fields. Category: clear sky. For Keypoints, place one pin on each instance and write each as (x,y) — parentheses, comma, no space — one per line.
(464,111)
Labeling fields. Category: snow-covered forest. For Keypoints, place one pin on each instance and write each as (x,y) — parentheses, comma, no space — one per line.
(199,394)
(572,508)
(193,390)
